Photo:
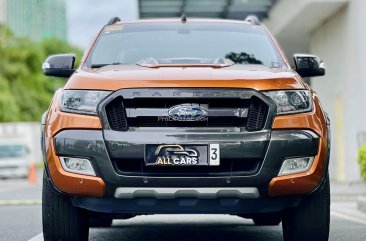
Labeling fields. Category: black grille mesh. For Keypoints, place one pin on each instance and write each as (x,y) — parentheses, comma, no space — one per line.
(257,115)
(116,115)
(227,167)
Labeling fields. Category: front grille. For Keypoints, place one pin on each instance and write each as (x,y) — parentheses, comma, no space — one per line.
(116,115)
(153,112)
(150,121)
(234,108)
(257,114)
(228,167)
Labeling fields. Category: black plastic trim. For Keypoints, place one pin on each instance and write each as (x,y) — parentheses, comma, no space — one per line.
(186,205)
(282,144)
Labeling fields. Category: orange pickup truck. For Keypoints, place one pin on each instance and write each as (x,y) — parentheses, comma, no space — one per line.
(185,116)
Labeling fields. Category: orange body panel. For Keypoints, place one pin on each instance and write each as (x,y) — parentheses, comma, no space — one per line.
(74,184)
(58,120)
(303,182)
(111,78)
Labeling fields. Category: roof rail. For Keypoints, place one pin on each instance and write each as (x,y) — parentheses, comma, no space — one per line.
(252,19)
(113,20)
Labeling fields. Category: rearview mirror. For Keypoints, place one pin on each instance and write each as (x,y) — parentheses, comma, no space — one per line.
(309,65)
(60,65)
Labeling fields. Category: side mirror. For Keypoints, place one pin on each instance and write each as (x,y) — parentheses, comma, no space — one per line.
(309,65)
(60,65)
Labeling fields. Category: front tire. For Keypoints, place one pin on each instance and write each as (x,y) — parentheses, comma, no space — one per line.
(61,220)
(310,220)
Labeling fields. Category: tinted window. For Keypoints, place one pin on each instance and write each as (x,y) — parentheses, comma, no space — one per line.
(184,43)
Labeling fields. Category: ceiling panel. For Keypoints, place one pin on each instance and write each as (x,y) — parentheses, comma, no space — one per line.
(233,9)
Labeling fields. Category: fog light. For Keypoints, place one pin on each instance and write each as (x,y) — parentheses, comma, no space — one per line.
(77,165)
(296,165)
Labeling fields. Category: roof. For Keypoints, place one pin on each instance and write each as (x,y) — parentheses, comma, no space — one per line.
(230,9)
(178,20)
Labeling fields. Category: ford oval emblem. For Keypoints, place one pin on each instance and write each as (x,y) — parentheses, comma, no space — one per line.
(187,112)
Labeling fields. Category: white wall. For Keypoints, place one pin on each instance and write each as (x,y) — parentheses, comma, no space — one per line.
(327,42)
(291,21)
(335,30)
(340,41)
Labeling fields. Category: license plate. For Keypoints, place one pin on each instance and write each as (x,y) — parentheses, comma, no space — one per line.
(182,155)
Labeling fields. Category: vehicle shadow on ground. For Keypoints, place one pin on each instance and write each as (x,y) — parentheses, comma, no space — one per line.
(188,228)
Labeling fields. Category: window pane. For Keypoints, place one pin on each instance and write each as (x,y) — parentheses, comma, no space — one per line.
(175,42)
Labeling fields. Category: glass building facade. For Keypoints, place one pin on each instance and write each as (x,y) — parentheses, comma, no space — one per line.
(37,19)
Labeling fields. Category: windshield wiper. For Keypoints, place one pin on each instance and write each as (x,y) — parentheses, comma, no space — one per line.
(102,65)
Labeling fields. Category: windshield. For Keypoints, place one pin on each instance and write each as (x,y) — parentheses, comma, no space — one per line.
(189,43)
(11,151)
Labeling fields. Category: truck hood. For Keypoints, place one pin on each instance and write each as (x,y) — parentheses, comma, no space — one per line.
(133,76)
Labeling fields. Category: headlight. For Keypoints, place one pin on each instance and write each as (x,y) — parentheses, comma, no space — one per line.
(291,101)
(82,101)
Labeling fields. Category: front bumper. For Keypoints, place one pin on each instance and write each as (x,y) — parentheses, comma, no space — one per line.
(236,206)
(278,145)
(296,135)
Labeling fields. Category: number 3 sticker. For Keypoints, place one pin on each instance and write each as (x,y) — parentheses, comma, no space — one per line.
(214,154)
